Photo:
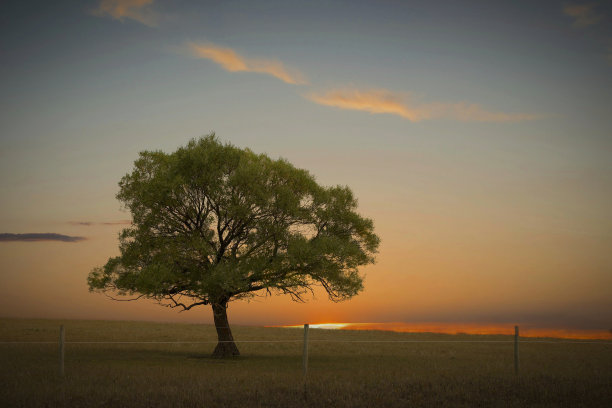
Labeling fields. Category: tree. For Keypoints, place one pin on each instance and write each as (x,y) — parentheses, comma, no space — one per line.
(212,223)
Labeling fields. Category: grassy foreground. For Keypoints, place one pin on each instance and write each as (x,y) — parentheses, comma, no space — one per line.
(341,374)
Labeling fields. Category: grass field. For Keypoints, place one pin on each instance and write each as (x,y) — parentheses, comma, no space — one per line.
(269,374)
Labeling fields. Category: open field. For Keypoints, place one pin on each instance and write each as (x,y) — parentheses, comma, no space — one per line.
(269,374)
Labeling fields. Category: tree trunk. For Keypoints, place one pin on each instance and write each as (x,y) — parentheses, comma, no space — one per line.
(226,346)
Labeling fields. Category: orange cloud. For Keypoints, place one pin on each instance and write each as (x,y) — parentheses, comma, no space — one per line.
(384,101)
(584,14)
(133,9)
(373,101)
(231,61)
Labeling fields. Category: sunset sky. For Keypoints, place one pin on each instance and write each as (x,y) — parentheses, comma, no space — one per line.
(476,134)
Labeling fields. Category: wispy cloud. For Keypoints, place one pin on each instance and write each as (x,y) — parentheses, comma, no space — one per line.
(231,61)
(92,223)
(35,237)
(384,101)
(584,14)
(373,101)
(138,10)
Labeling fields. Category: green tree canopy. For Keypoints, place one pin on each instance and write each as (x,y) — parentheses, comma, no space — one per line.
(212,223)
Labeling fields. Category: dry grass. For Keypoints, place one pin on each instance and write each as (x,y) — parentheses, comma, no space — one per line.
(341,374)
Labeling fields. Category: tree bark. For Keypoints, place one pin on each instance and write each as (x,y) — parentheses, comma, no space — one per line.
(226,346)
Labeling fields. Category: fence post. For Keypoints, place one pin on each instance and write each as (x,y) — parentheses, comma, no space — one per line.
(305,355)
(62,341)
(305,363)
(516,350)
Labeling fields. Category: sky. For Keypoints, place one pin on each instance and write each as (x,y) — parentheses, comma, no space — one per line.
(476,134)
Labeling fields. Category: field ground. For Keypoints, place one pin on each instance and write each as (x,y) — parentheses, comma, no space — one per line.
(269,374)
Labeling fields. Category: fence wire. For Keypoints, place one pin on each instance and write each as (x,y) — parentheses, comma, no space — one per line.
(312,341)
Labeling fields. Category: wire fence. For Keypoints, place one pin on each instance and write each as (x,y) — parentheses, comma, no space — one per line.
(84,360)
(313,341)
(517,340)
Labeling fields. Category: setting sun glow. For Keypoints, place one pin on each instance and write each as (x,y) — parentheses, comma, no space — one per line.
(460,328)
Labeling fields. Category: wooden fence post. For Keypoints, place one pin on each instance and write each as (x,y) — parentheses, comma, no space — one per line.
(305,354)
(62,341)
(516,350)
(305,364)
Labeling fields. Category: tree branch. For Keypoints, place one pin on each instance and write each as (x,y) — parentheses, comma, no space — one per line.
(185,307)
(123,300)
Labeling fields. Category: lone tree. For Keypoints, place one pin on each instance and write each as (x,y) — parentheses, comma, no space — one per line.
(212,223)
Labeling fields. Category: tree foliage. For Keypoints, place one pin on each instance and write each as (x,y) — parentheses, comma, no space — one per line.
(212,223)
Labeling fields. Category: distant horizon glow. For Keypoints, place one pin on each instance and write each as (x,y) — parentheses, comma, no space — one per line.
(463,328)
(328,326)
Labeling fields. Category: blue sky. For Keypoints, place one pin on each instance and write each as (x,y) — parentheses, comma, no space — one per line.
(477,135)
